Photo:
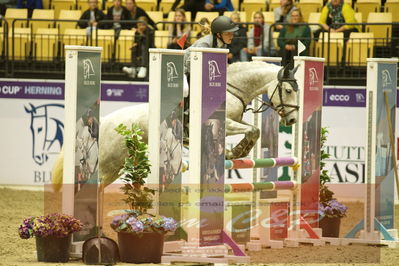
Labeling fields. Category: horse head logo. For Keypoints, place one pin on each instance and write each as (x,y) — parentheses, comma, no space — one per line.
(214,71)
(313,77)
(386,78)
(47,131)
(88,69)
(171,71)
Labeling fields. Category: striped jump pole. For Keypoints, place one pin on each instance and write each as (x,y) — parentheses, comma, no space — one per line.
(257,163)
(248,187)
(260,163)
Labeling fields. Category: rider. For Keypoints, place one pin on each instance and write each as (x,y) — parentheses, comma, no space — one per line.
(222,29)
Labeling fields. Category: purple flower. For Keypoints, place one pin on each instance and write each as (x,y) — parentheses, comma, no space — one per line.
(169,224)
(136,225)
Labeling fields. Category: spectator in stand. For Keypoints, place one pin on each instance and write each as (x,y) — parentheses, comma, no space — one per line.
(193,6)
(93,15)
(282,13)
(136,12)
(30,5)
(143,40)
(337,12)
(219,6)
(239,41)
(258,38)
(289,36)
(205,26)
(176,31)
(117,12)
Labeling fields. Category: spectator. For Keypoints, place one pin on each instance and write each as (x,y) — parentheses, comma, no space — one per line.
(222,29)
(337,12)
(176,31)
(92,16)
(258,38)
(219,6)
(205,26)
(282,13)
(289,36)
(117,12)
(143,40)
(193,6)
(239,41)
(136,12)
(30,5)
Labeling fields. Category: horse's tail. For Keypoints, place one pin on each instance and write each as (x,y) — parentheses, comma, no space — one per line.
(57,172)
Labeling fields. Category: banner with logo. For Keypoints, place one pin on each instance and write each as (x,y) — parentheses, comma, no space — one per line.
(32,119)
(212,147)
(384,167)
(309,148)
(171,138)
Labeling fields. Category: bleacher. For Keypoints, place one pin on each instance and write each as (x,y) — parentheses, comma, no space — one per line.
(35,45)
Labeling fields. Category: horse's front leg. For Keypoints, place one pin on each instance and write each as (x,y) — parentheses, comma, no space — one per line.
(243,148)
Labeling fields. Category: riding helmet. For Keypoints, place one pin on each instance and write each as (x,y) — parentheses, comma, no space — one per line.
(223,24)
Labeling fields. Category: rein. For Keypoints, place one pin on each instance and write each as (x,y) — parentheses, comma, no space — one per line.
(265,105)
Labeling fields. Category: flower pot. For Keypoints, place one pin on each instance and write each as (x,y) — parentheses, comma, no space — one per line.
(330,226)
(53,249)
(144,248)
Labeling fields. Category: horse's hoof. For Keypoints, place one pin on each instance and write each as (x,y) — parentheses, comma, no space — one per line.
(229,155)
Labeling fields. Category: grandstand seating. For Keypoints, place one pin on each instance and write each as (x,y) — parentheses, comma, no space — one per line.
(68,15)
(15,13)
(392,6)
(149,5)
(381,32)
(105,39)
(45,44)
(156,16)
(124,43)
(332,51)
(21,44)
(73,37)
(274,4)
(209,15)
(166,5)
(42,14)
(367,6)
(359,48)
(250,6)
(59,5)
(161,38)
(309,6)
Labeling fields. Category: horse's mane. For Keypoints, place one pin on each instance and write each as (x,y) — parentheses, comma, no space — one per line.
(241,66)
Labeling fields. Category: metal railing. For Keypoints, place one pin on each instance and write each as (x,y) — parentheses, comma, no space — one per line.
(4,46)
(26,51)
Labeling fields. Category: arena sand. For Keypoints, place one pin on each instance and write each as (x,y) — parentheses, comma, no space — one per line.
(15,205)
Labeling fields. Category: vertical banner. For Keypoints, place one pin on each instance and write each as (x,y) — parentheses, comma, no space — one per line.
(310,77)
(166,131)
(380,182)
(212,145)
(207,141)
(81,150)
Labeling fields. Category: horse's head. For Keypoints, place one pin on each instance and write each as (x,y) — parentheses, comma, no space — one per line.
(45,132)
(284,96)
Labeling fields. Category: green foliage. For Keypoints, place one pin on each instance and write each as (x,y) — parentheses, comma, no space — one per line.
(135,169)
(324,177)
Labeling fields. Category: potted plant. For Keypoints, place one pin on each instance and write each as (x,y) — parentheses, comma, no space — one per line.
(140,234)
(330,210)
(53,235)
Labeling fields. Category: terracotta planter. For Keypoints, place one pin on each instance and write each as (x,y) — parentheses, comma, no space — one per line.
(330,226)
(144,248)
(53,249)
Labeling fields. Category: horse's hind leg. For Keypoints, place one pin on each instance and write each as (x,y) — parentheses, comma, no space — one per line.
(243,148)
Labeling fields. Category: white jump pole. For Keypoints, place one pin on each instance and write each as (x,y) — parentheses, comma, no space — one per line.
(82,95)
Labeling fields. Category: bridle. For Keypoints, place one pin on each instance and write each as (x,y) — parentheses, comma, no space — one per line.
(265,105)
